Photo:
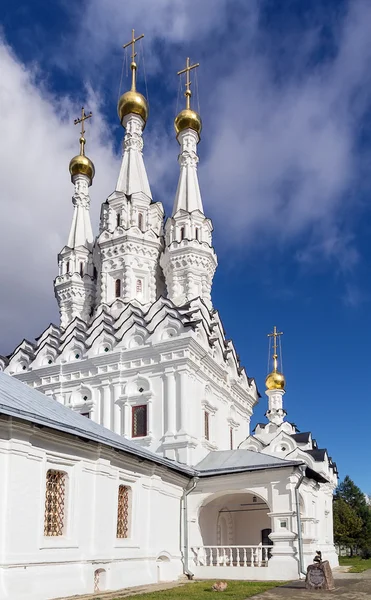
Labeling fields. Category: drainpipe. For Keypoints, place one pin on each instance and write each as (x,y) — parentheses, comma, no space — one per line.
(186,492)
(298,518)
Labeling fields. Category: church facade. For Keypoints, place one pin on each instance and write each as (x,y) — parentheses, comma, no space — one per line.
(130,420)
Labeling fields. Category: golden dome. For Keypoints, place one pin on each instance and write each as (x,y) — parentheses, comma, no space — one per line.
(188,119)
(132,102)
(82,165)
(275,381)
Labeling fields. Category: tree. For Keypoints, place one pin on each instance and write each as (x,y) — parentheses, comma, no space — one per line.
(350,494)
(347,524)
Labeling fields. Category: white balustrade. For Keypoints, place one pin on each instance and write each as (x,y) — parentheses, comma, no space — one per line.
(231,556)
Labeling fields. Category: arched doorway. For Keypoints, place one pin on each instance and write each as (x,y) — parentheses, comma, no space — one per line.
(99,580)
(234,530)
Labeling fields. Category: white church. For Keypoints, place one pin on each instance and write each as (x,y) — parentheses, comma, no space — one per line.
(125,448)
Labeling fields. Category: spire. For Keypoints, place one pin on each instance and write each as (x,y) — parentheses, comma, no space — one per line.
(275,383)
(188,126)
(133,113)
(82,174)
(275,380)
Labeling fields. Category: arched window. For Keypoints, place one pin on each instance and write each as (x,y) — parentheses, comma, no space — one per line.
(55,498)
(81,269)
(182,233)
(140,221)
(197,231)
(118,220)
(118,288)
(68,266)
(139,286)
(122,528)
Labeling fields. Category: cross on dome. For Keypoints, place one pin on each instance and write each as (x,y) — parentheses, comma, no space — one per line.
(275,380)
(187,70)
(82,120)
(133,65)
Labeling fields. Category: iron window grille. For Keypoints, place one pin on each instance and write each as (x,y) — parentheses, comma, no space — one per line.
(55,497)
(122,530)
(139,421)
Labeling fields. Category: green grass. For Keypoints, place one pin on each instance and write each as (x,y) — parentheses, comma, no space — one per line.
(201,590)
(358,564)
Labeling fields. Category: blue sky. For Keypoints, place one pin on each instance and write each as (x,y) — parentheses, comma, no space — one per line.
(285,162)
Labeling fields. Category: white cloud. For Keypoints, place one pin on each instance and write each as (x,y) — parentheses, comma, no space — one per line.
(38,140)
(279,158)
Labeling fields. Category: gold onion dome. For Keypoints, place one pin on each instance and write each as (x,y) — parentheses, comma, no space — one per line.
(275,381)
(81,164)
(188,119)
(132,102)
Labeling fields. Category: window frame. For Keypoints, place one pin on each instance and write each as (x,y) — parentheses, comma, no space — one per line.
(129,505)
(118,288)
(206,425)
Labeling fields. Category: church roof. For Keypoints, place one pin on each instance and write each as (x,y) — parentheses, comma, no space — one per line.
(19,400)
(220,461)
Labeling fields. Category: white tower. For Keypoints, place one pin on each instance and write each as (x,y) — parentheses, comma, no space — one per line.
(131,236)
(275,384)
(189,260)
(75,285)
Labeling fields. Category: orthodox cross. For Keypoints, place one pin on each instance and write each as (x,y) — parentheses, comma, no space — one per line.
(188,92)
(133,65)
(275,334)
(82,132)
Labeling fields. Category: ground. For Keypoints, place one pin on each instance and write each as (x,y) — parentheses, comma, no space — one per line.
(356,564)
(201,590)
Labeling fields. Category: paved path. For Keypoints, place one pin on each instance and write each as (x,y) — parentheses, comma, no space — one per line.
(348,586)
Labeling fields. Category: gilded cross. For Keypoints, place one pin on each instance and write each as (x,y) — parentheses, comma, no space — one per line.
(275,334)
(82,120)
(133,65)
(187,71)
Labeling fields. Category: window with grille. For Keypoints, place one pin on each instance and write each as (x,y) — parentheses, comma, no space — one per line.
(140,221)
(55,498)
(123,512)
(139,286)
(139,425)
(118,288)
(206,425)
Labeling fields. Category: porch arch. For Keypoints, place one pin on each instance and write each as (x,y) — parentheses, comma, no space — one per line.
(234,519)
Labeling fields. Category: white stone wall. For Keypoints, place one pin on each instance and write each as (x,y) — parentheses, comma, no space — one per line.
(38,567)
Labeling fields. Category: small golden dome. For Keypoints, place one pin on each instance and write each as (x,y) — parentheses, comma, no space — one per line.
(82,165)
(275,381)
(132,102)
(188,119)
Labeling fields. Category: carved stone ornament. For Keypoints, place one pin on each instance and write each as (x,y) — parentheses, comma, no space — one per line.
(188,159)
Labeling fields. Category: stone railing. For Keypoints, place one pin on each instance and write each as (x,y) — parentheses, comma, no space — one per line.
(231,556)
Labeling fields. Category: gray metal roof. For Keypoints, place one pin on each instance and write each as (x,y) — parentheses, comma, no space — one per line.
(241,460)
(23,402)
(19,400)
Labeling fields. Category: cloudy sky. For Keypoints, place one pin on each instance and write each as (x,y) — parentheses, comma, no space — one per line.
(285,96)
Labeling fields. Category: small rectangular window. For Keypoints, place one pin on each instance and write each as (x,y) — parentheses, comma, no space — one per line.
(55,497)
(122,530)
(139,424)
(118,288)
(231,437)
(118,220)
(140,221)
(207,425)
